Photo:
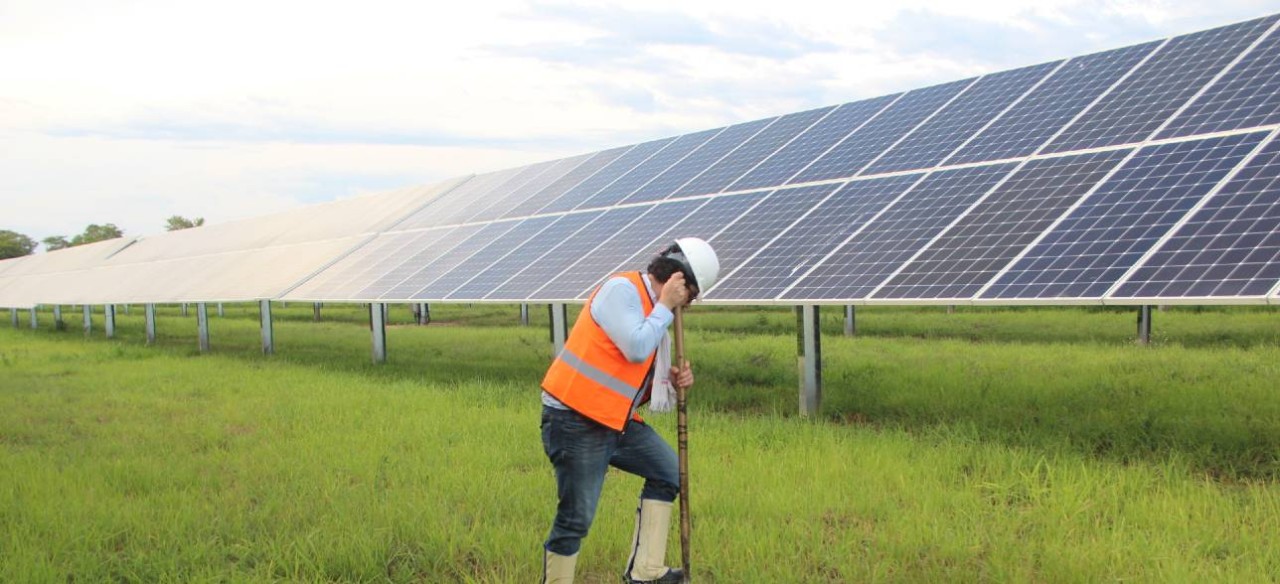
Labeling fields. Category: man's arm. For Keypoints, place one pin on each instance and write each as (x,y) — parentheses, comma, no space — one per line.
(617,309)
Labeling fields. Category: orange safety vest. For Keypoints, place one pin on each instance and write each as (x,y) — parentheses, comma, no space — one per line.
(593,377)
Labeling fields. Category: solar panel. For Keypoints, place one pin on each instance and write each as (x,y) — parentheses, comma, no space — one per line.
(588,268)
(817,139)
(1229,248)
(558,188)
(1102,238)
(775,266)
(613,171)
(461,250)
(972,251)
(849,156)
(670,181)
(372,269)
(524,253)
(418,268)
(553,259)
(552,172)
(619,190)
(1247,96)
(484,255)
(875,252)
(1145,100)
(937,138)
(760,146)
(1044,111)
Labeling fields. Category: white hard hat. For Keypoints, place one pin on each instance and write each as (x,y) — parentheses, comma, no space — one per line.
(702,261)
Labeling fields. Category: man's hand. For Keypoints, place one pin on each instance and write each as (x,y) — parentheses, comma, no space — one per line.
(682,377)
(674,292)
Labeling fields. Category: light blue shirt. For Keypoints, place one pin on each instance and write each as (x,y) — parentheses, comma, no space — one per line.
(618,310)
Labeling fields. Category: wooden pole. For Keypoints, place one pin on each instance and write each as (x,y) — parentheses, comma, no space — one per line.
(682,437)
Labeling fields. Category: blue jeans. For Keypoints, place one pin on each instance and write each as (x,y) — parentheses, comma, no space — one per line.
(582,451)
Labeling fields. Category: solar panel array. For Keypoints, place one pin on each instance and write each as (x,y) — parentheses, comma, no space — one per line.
(1133,175)
(1145,174)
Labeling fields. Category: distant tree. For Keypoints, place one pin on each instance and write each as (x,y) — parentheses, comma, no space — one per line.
(179,222)
(55,243)
(14,244)
(95,233)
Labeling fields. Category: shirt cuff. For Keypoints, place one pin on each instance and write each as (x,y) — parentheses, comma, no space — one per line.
(661,312)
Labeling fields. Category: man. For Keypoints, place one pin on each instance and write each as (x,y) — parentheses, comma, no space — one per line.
(590,396)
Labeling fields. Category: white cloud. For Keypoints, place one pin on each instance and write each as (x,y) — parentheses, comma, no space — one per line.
(130,111)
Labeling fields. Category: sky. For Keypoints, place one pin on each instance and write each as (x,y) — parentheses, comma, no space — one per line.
(128,112)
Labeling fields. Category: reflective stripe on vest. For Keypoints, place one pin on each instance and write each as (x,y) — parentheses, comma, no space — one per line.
(592,376)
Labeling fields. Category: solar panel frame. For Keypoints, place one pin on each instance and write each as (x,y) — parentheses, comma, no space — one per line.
(1162,85)
(1197,116)
(669,183)
(1123,291)
(1134,187)
(619,167)
(880,134)
(624,190)
(959,122)
(562,185)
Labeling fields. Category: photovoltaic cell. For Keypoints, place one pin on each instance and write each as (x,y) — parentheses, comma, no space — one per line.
(588,269)
(1229,248)
(811,238)
(849,156)
(410,260)
(751,152)
(380,261)
(937,138)
(874,253)
(1141,103)
(428,271)
(1099,241)
(398,282)
(697,161)
(1031,122)
(673,153)
(482,200)
(808,146)
(340,279)
(523,254)
(991,234)
(601,179)
(564,183)
(1247,96)
(455,271)
(441,209)
(752,231)
(705,222)
(553,262)
(504,202)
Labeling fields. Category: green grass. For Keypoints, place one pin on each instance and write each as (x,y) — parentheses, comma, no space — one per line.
(988,445)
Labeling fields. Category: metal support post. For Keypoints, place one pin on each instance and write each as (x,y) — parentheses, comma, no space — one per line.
(524,314)
(88,319)
(58,324)
(1144,325)
(221,312)
(126,310)
(150,311)
(184,309)
(850,322)
(378,325)
(202,325)
(34,322)
(559,326)
(109,320)
(315,312)
(424,313)
(13,317)
(268,334)
(809,358)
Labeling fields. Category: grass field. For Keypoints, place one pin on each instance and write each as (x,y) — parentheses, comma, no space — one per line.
(988,445)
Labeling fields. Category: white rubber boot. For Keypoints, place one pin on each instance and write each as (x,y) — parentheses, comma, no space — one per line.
(649,545)
(558,569)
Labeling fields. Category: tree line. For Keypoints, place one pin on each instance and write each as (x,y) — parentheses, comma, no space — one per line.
(14,244)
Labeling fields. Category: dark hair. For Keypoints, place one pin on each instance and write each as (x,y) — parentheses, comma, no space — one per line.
(661,268)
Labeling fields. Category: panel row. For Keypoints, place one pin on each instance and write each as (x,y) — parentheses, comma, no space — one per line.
(1183,219)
